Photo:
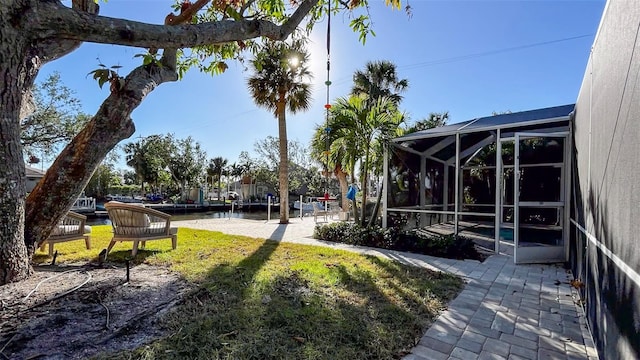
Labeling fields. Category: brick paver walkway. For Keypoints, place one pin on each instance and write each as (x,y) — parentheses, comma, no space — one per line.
(505,311)
(509,311)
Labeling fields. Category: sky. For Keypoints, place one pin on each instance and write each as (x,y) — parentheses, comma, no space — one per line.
(470,58)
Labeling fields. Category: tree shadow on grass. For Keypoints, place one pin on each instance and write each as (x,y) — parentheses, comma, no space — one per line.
(252,311)
(447,285)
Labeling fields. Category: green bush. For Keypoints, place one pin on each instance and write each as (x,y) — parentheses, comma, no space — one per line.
(332,232)
(449,246)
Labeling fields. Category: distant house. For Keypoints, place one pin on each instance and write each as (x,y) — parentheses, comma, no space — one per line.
(33,176)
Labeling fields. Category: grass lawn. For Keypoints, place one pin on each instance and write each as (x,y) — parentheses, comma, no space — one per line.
(258,299)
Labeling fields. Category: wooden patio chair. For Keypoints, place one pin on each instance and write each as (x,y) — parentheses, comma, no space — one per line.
(71,227)
(134,222)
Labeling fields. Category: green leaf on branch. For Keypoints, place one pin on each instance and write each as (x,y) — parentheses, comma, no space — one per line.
(362,26)
(148,58)
(102,75)
(233,13)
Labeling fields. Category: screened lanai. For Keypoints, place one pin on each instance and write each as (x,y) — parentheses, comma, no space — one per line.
(501,180)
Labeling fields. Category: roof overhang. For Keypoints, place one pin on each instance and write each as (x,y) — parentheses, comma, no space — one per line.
(539,120)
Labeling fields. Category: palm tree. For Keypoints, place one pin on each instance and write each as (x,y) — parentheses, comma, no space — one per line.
(379,79)
(379,82)
(235,172)
(385,133)
(135,158)
(211,172)
(432,121)
(381,121)
(358,125)
(279,84)
(338,160)
(345,142)
(216,167)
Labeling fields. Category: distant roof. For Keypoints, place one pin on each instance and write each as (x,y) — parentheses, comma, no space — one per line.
(511,120)
(33,172)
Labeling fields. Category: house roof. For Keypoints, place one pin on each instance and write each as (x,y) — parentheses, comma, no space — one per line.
(501,121)
(33,172)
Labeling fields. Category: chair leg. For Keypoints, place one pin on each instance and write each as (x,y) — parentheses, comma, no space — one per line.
(43,246)
(50,249)
(113,242)
(135,248)
(87,242)
(144,244)
(174,241)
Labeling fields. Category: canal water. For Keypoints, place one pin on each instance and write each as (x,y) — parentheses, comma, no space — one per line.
(253,215)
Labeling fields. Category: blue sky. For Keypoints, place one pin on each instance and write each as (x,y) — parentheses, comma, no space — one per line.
(466,57)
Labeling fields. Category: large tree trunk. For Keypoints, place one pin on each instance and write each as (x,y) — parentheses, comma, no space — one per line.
(20,61)
(283,173)
(14,78)
(33,32)
(54,195)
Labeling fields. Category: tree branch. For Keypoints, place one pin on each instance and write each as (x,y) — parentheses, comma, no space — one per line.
(52,49)
(56,21)
(246,5)
(170,55)
(186,13)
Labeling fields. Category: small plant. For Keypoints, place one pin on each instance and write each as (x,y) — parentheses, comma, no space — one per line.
(108,74)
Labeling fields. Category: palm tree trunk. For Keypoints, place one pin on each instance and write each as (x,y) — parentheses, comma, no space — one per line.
(353,182)
(374,215)
(365,181)
(344,187)
(283,173)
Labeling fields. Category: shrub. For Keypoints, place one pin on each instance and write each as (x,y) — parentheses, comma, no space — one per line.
(449,246)
(353,234)
(335,232)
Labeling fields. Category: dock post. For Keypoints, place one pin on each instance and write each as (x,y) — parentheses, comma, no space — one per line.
(268,208)
(301,208)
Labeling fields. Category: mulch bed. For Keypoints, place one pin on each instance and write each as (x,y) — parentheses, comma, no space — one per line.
(77,311)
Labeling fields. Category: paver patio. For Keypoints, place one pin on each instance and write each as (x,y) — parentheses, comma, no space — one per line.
(509,311)
(505,311)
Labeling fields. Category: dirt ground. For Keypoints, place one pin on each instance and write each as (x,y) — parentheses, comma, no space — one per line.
(77,311)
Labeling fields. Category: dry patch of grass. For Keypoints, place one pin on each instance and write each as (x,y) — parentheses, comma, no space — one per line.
(258,299)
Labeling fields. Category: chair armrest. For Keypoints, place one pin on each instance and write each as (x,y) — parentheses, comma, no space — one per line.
(75,215)
(76,218)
